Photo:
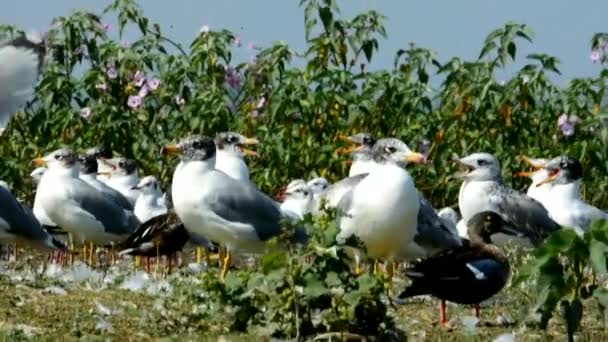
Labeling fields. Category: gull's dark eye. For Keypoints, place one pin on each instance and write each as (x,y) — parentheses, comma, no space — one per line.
(82,159)
(232,139)
(305,193)
(58,157)
(197,144)
(122,163)
(367,140)
(482,162)
(390,149)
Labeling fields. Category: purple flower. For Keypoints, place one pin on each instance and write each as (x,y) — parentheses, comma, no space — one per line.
(567,129)
(85,112)
(232,77)
(134,101)
(107,27)
(139,78)
(205,29)
(153,83)
(111,72)
(143,91)
(595,56)
(567,124)
(101,86)
(563,119)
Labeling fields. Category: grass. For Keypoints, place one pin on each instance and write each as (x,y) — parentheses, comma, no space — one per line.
(33,306)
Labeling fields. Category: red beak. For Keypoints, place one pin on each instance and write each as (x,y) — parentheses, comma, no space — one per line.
(281,195)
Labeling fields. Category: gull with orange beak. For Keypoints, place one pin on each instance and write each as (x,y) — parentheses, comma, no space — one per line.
(361,152)
(564,176)
(537,174)
(230,152)
(483,190)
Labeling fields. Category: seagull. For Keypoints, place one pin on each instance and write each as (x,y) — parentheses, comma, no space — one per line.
(103,169)
(38,211)
(76,206)
(382,209)
(297,199)
(88,173)
(230,152)
(150,202)
(21,63)
(318,186)
(482,190)
(361,152)
(212,204)
(123,177)
(18,223)
(538,173)
(564,175)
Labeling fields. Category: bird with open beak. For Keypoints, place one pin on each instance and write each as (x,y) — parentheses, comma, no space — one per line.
(123,177)
(360,150)
(231,148)
(537,173)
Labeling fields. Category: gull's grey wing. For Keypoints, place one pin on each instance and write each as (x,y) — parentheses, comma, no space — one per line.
(21,221)
(116,197)
(523,212)
(239,202)
(114,219)
(432,233)
(589,215)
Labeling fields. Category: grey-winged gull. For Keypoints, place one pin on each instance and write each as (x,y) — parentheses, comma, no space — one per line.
(360,151)
(88,173)
(482,190)
(564,175)
(230,152)
(212,204)
(123,177)
(20,65)
(76,206)
(382,209)
(150,202)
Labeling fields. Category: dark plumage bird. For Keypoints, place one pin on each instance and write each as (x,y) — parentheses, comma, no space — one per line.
(468,274)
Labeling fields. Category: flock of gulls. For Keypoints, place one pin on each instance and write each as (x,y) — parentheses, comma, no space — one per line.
(93,198)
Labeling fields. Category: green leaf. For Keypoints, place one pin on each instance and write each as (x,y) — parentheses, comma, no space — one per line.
(368,49)
(511,49)
(326,17)
(597,256)
(314,287)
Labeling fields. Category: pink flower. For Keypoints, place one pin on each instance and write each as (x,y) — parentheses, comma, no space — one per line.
(562,119)
(107,27)
(232,77)
(134,101)
(111,72)
(205,29)
(139,78)
(101,86)
(153,83)
(85,113)
(567,124)
(595,56)
(143,91)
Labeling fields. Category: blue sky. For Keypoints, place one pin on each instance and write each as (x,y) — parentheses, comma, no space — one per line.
(451,28)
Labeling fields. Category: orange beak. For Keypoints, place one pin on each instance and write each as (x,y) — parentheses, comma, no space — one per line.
(250,141)
(39,161)
(523,174)
(552,176)
(529,161)
(349,149)
(170,149)
(415,157)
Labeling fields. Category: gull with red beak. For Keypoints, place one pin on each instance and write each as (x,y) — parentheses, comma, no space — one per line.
(482,190)
(230,152)
(537,173)
(361,152)
(564,175)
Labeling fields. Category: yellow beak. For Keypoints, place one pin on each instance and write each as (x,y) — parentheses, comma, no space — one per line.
(170,149)
(349,149)
(249,152)
(415,157)
(530,162)
(38,161)
(523,174)
(251,141)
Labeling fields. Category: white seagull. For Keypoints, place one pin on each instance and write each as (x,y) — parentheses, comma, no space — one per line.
(214,205)
(297,199)
(230,153)
(151,202)
(76,206)
(20,65)
(88,173)
(123,177)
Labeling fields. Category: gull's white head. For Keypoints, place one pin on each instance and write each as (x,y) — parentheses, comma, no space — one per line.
(481,167)
(62,160)
(234,143)
(149,185)
(195,148)
(395,151)
(318,185)
(121,166)
(38,173)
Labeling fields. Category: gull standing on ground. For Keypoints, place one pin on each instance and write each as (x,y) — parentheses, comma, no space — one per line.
(150,202)
(361,151)
(214,205)
(123,177)
(564,203)
(21,63)
(18,223)
(482,190)
(76,206)
(382,209)
(230,153)
(88,173)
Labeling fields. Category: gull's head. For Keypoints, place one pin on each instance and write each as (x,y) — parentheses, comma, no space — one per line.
(562,170)
(480,167)
(100,152)
(537,171)
(192,148)
(37,173)
(121,166)
(297,190)
(61,159)
(361,145)
(318,185)
(88,164)
(235,143)
(395,151)
(281,195)
(149,185)
(483,225)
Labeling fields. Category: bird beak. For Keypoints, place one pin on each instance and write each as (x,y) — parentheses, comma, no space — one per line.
(349,149)
(415,157)
(346,138)
(246,151)
(38,161)
(135,187)
(523,174)
(281,195)
(108,163)
(107,174)
(529,161)
(170,149)
(552,176)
